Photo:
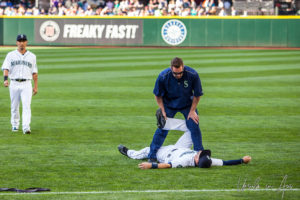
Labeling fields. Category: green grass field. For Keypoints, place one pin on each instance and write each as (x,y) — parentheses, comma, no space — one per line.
(90,100)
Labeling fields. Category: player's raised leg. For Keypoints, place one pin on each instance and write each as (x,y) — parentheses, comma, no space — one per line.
(185,141)
(140,154)
(159,137)
(175,124)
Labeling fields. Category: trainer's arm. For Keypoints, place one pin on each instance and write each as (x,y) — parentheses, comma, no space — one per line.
(35,79)
(5,74)
(148,165)
(160,104)
(193,115)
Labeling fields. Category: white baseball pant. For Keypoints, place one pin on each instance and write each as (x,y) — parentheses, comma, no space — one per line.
(20,91)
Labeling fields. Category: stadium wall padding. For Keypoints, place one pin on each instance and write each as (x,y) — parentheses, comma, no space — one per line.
(198,32)
(1,31)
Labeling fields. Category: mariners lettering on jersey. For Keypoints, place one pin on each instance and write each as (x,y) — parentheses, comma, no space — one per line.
(21,62)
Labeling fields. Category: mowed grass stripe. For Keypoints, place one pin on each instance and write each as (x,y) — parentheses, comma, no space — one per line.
(50,51)
(199,66)
(142,51)
(146,73)
(207,68)
(206,120)
(207,102)
(212,90)
(292,80)
(138,56)
(156,61)
(216,110)
(219,92)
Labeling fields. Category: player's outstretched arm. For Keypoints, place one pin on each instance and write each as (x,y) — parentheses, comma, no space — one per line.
(148,165)
(245,160)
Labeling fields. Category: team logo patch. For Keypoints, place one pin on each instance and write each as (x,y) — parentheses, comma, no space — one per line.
(173,32)
(49,31)
(186,84)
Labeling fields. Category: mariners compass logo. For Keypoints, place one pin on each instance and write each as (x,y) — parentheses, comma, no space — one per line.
(173,32)
(49,31)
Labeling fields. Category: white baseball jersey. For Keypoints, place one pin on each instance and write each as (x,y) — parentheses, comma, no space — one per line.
(20,66)
(177,157)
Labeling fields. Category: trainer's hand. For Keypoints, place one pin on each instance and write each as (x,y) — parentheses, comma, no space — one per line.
(164,114)
(145,165)
(35,91)
(194,116)
(6,83)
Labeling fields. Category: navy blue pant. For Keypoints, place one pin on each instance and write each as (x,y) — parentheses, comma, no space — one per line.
(160,135)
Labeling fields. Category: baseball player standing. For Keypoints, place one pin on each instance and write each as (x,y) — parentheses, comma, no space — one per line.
(20,67)
(178,89)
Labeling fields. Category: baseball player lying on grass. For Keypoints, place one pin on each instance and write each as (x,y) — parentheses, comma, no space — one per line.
(179,154)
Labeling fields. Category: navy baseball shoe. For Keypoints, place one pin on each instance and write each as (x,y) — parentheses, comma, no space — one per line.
(123,150)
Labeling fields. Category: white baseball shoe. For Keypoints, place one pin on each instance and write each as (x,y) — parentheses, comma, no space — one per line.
(26,131)
(14,129)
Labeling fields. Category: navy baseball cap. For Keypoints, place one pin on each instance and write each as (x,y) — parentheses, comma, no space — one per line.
(21,37)
(204,159)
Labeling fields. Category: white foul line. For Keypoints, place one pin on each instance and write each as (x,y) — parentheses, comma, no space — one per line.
(154,191)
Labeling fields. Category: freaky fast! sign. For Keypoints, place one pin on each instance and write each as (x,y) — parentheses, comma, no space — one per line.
(91,31)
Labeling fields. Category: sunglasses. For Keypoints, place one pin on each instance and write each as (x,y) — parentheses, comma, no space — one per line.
(177,73)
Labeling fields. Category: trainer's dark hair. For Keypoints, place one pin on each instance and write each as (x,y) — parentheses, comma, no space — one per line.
(176,62)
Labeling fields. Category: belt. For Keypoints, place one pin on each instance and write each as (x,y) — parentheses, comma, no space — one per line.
(20,80)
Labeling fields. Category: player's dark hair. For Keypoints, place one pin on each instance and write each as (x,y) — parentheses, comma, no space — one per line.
(176,62)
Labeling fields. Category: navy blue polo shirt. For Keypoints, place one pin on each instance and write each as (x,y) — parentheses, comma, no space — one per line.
(178,93)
